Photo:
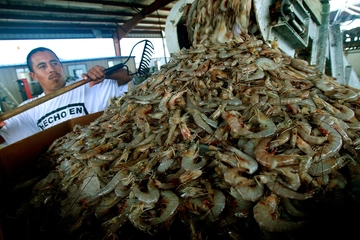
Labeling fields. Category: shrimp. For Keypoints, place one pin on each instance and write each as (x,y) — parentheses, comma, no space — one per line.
(190,157)
(217,113)
(228,159)
(171,202)
(345,113)
(199,120)
(231,175)
(163,105)
(192,192)
(92,153)
(236,127)
(109,187)
(289,177)
(281,190)
(304,146)
(272,161)
(280,140)
(312,139)
(326,166)
(113,224)
(344,94)
(302,65)
(165,163)
(334,142)
(174,98)
(323,83)
(266,64)
(190,175)
(151,195)
(290,208)
(249,189)
(268,127)
(135,216)
(244,161)
(218,207)
(266,215)
(106,203)
(174,120)
(243,207)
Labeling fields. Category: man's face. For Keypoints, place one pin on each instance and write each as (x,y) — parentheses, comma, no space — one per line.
(48,71)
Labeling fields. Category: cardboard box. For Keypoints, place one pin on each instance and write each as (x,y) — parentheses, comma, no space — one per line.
(15,158)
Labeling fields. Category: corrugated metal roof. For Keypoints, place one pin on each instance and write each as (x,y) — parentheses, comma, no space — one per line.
(58,19)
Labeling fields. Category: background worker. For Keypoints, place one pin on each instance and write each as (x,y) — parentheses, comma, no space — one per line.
(46,68)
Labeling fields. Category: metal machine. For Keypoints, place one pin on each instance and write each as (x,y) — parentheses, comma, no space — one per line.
(300,27)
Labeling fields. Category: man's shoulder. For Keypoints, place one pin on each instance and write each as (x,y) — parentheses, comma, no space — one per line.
(31,99)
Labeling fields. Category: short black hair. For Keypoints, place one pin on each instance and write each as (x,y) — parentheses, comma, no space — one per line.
(32,52)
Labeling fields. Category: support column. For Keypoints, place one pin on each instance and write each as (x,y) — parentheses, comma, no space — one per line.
(117,48)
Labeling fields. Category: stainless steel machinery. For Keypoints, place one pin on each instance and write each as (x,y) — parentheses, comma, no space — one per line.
(300,27)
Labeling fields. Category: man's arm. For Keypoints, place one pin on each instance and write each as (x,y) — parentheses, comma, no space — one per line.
(97,75)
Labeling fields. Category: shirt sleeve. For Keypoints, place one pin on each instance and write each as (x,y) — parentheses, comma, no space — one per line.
(17,128)
(98,96)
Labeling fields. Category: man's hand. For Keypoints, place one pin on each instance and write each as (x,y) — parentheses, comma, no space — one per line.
(96,74)
(2,123)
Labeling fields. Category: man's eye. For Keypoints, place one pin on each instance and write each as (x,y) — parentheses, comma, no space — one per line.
(42,66)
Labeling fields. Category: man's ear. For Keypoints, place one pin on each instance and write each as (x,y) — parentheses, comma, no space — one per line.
(33,76)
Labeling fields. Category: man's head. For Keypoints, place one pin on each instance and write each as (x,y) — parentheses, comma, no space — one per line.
(46,68)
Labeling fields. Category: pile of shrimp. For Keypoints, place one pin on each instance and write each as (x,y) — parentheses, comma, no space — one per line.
(230,129)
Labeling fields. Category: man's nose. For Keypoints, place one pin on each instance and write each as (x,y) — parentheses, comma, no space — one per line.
(51,68)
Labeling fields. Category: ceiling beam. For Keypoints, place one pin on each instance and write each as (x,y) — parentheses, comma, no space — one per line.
(64,26)
(129,25)
(72,19)
(120,4)
(7,8)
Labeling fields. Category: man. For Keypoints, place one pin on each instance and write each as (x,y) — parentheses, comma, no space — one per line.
(46,68)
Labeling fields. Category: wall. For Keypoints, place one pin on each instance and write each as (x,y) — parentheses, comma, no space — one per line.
(354,59)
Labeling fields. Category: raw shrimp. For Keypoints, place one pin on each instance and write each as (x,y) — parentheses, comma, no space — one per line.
(304,146)
(113,224)
(271,160)
(266,215)
(190,175)
(218,205)
(334,142)
(266,64)
(267,126)
(326,166)
(249,189)
(171,202)
(290,208)
(235,124)
(119,176)
(289,177)
(189,158)
(243,207)
(281,190)
(280,140)
(302,65)
(192,192)
(106,203)
(199,120)
(151,195)
(244,161)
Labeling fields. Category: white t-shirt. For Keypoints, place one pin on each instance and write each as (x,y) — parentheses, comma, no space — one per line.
(78,102)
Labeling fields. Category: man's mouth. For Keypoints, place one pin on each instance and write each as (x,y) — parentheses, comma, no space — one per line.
(54,76)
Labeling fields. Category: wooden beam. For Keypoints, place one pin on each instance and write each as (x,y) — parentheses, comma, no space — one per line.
(117,47)
(123,30)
